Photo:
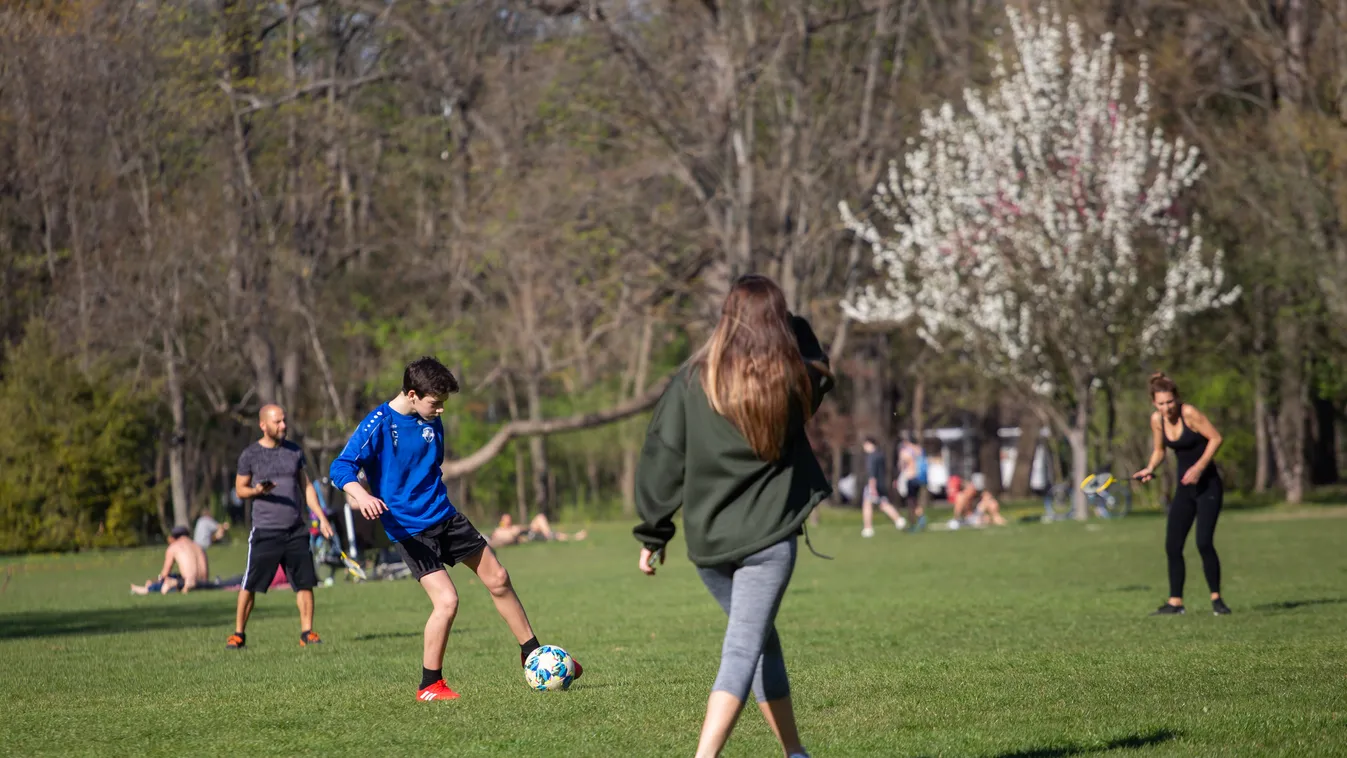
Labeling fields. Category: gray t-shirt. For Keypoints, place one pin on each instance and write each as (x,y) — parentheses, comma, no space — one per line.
(282,507)
(205,529)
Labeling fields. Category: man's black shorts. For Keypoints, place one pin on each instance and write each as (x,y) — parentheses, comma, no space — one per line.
(287,548)
(446,543)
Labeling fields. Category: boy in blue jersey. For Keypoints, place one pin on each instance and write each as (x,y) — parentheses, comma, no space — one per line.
(400,447)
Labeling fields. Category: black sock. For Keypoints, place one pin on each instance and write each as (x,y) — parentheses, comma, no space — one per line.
(528,647)
(242,636)
(429,677)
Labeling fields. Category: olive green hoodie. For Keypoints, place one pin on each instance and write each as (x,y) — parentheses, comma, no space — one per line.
(734,503)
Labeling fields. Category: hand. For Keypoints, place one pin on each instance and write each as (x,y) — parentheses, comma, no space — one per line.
(645,562)
(1192,475)
(1144,475)
(325,527)
(262,489)
(370,506)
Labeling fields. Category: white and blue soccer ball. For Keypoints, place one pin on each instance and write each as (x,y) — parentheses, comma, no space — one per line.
(549,668)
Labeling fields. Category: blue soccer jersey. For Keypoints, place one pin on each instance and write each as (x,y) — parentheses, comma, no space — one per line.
(401,457)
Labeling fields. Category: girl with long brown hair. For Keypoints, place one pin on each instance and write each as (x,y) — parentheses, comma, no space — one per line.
(1198,495)
(727,444)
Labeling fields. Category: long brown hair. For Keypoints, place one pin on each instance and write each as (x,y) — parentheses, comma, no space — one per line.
(1161,383)
(751,367)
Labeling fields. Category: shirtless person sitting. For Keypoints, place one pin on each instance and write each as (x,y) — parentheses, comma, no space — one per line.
(506,533)
(193,568)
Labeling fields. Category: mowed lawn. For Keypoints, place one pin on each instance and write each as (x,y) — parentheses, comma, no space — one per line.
(1030,641)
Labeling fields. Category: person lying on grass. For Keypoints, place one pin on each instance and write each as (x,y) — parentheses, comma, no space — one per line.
(538,530)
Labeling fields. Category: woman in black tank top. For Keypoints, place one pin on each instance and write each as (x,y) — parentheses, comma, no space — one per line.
(1198,495)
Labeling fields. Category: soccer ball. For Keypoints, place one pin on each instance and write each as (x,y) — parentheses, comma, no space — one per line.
(549,668)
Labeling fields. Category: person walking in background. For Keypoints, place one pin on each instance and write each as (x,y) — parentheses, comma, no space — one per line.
(911,479)
(727,444)
(876,492)
(1197,497)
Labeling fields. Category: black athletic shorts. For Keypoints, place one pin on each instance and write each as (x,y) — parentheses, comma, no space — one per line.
(287,548)
(446,543)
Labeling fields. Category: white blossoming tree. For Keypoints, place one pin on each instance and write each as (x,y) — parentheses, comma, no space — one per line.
(1044,227)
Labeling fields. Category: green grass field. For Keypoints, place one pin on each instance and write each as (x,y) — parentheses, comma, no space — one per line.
(1030,641)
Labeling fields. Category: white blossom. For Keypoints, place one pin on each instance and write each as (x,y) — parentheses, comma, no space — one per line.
(1044,224)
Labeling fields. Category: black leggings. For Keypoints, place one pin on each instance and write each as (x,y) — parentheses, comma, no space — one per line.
(1201,501)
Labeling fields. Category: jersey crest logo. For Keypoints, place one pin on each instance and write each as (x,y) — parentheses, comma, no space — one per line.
(428,434)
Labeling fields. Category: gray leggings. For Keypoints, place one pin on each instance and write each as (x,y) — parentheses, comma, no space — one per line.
(750,593)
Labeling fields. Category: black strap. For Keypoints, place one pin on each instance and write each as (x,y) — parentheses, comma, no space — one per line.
(810,545)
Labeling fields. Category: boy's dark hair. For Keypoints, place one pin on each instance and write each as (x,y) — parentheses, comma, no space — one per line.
(180,531)
(428,376)
(872,441)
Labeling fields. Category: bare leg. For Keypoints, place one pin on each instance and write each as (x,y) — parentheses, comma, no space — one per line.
(890,511)
(245,609)
(497,582)
(444,599)
(867,514)
(540,525)
(722,710)
(304,599)
(780,717)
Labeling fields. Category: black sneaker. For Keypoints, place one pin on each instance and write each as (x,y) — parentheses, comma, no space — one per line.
(1169,610)
(1219,607)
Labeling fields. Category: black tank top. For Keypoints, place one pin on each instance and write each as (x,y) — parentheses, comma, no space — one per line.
(1188,448)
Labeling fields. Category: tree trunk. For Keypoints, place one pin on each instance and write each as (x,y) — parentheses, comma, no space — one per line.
(1026,449)
(989,447)
(177,446)
(1078,437)
(631,447)
(291,365)
(1261,443)
(262,357)
(1288,438)
(520,483)
(538,447)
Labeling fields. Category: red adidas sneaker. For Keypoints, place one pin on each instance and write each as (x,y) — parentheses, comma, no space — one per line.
(437,691)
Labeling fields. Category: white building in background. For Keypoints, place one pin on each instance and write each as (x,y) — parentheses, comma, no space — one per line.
(947,450)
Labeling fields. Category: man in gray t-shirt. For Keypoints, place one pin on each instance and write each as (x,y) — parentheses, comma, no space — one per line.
(277,507)
(272,474)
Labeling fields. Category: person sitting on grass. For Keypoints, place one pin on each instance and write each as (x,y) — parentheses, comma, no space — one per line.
(193,567)
(539,529)
(975,505)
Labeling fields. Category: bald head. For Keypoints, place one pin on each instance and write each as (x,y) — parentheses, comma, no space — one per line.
(271,419)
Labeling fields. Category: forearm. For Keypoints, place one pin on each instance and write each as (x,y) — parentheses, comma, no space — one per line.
(311,498)
(1157,457)
(355,491)
(1212,446)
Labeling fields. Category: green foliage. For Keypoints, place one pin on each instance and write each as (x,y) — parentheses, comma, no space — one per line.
(72,450)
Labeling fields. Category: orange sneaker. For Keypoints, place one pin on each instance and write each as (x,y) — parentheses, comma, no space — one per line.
(437,691)
(235,642)
(309,638)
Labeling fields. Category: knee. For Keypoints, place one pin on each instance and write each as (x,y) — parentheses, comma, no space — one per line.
(1206,547)
(497,581)
(445,603)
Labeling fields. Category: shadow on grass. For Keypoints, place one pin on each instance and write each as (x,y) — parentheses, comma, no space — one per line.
(1133,742)
(1289,604)
(136,618)
(392,635)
